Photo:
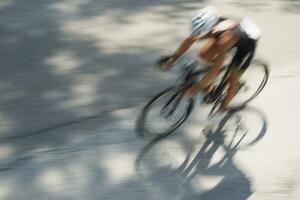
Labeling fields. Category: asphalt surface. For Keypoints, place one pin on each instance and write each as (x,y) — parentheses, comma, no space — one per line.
(74,76)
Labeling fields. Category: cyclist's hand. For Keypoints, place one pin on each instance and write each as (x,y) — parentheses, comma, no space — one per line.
(165,63)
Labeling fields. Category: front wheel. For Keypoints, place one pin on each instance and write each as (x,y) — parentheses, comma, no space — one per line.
(164,114)
(251,84)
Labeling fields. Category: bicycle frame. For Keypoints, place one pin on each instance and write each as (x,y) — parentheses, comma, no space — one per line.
(189,78)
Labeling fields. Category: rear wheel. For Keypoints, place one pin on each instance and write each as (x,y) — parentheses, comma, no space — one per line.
(164,114)
(251,84)
(244,128)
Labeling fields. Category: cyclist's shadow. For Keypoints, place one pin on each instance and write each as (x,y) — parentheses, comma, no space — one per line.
(233,183)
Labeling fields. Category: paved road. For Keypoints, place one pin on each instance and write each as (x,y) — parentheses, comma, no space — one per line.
(74,75)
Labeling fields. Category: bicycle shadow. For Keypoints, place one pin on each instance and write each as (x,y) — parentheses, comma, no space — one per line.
(201,175)
(232,184)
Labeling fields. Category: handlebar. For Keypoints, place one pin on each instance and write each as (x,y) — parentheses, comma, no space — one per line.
(162,60)
(183,64)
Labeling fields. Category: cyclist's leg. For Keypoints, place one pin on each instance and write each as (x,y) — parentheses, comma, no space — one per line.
(205,82)
(232,89)
(239,65)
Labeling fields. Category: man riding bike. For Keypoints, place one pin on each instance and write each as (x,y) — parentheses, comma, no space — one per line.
(222,34)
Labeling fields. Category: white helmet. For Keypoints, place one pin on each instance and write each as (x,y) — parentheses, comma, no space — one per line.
(204,21)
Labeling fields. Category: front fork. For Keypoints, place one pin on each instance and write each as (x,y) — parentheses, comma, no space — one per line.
(171,105)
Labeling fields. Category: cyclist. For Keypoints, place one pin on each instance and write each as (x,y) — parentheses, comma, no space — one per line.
(222,35)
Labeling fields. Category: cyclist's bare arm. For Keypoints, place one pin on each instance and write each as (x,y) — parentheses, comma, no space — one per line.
(186,44)
(183,47)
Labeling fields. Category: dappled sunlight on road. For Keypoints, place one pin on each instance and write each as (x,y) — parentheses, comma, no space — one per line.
(4,191)
(53,180)
(5,3)
(124,118)
(5,124)
(113,36)
(112,162)
(83,93)
(64,63)
(6,152)
(68,6)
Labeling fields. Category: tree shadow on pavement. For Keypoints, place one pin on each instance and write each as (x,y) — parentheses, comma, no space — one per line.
(251,5)
(292,6)
(60,65)
(64,63)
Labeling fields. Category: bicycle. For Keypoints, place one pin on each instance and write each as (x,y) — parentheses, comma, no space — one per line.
(173,102)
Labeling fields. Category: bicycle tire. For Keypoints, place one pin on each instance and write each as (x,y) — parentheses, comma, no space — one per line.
(244,145)
(141,121)
(263,83)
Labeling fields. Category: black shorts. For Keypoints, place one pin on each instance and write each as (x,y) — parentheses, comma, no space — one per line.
(245,49)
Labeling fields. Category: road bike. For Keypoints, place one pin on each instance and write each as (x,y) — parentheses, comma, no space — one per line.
(169,109)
